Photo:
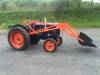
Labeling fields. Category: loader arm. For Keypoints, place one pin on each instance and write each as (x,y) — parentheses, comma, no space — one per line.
(82,38)
(71,31)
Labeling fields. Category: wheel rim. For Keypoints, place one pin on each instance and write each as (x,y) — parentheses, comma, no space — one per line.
(17,39)
(50,46)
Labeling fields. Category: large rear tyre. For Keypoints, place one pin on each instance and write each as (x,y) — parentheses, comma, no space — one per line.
(50,45)
(19,39)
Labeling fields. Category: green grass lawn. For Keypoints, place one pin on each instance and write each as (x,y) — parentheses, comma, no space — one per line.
(80,18)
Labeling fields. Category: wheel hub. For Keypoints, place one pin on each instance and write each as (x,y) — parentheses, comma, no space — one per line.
(50,45)
(17,39)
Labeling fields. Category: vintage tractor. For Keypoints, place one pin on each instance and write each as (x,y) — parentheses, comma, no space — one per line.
(20,37)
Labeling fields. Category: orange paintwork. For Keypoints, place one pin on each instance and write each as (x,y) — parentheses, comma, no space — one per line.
(50,46)
(62,26)
(17,39)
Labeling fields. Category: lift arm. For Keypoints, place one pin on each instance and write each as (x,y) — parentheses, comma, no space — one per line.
(82,38)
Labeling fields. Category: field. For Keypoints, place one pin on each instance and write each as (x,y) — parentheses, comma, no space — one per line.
(81,18)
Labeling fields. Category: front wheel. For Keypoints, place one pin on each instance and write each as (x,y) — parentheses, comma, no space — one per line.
(59,40)
(50,45)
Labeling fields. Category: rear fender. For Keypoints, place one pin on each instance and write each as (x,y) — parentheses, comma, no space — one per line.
(18,25)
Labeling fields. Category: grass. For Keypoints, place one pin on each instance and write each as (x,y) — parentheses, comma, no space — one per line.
(81,18)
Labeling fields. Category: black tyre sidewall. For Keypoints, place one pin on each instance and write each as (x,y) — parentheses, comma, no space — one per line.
(60,38)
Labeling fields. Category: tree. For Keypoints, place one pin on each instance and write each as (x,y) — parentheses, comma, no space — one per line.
(61,5)
(4,5)
(92,2)
(11,5)
(78,3)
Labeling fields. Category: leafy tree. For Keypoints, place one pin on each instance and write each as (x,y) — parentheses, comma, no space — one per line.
(4,5)
(78,3)
(92,2)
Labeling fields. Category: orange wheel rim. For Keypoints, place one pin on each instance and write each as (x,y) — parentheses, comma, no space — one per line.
(50,46)
(17,39)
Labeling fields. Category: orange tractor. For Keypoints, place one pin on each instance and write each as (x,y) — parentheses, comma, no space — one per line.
(20,37)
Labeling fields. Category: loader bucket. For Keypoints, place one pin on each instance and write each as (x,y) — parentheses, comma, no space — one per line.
(84,37)
(87,40)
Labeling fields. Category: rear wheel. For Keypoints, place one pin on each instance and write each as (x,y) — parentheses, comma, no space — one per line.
(18,39)
(50,45)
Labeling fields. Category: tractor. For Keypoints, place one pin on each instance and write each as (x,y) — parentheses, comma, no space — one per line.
(20,37)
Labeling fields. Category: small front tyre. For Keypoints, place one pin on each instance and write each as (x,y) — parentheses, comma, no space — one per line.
(59,40)
(50,45)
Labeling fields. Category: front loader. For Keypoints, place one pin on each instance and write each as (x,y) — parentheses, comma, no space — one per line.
(20,37)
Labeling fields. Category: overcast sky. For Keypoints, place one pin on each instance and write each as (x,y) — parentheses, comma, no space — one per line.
(91,0)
